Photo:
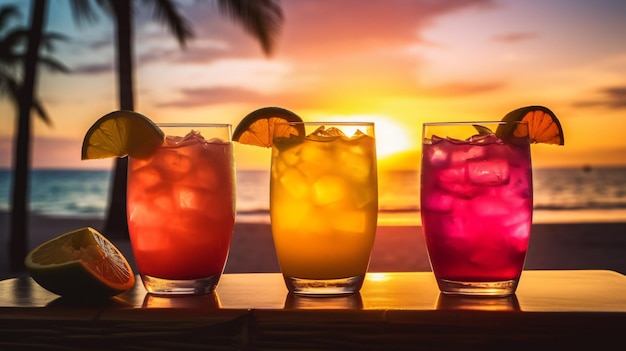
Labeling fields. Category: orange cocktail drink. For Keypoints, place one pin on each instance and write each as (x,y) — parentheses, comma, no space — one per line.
(324,205)
(181,209)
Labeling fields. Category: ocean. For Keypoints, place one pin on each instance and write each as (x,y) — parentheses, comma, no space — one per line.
(561,195)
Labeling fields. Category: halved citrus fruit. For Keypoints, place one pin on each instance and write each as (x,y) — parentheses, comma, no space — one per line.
(81,263)
(122,133)
(259,127)
(543,125)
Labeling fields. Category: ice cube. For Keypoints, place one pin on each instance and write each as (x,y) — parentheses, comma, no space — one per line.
(328,189)
(316,153)
(363,197)
(323,133)
(488,172)
(453,226)
(518,220)
(452,174)
(153,206)
(332,131)
(314,159)
(358,134)
(137,163)
(190,197)
(171,164)
(485,139)
(436,156)
(290,156)
(437,201)
(521,231)
(519,182)
(489,205)
(145,177)
(295,182)
(467,152)
(454,181)
(355,166)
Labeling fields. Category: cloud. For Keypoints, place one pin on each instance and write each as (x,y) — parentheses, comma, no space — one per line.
(456,89)
(340,27)
(195,97)
(612,97)
(346,26)
(95,68)
(515,37)
(314,29)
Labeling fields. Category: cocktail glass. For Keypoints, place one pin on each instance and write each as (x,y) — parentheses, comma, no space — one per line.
(324,206)
(476,204)
(181,209)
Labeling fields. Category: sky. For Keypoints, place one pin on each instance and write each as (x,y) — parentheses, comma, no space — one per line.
(398,63)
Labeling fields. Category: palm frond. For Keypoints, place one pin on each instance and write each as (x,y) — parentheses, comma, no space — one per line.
(14,39)
(165,12)
(260,18)
(48,39)
(41,112)
(53,65)
(83,11)
(6,12)
(9,87)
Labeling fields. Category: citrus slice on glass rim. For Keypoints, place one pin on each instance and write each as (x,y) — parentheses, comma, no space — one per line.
(80,263)
(122,133)
(259,127)
(543,125)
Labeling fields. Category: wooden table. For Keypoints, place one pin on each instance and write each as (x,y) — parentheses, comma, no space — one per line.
(568,309)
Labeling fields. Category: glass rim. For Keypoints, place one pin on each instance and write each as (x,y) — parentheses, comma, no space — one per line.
(191,124)
(469,123)
(343,123)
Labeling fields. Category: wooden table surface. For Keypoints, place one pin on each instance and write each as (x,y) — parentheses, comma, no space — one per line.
(577,309)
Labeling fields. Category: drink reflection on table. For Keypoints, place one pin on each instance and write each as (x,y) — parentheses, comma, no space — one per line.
(205,301)
(344,302)
(72,302)
(477,303)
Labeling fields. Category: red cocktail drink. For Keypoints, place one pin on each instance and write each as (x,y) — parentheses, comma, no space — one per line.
(476,207)
(181,211)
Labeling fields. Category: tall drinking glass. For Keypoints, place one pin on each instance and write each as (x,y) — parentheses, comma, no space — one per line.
(181,209)
(476,204)
(324,206)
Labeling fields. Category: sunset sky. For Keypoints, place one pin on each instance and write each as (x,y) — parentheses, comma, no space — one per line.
(398,63)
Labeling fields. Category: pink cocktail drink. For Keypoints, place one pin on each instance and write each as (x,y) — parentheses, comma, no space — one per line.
(181,213)
(476,205)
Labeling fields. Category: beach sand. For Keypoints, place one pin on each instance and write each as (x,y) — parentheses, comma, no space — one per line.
(396,248)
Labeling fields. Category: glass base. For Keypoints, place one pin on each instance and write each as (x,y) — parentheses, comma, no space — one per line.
(324,287)
(493,289)
(160,286)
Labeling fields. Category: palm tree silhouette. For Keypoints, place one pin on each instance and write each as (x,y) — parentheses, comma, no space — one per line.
(23,94)
(11,58)
(261,18)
